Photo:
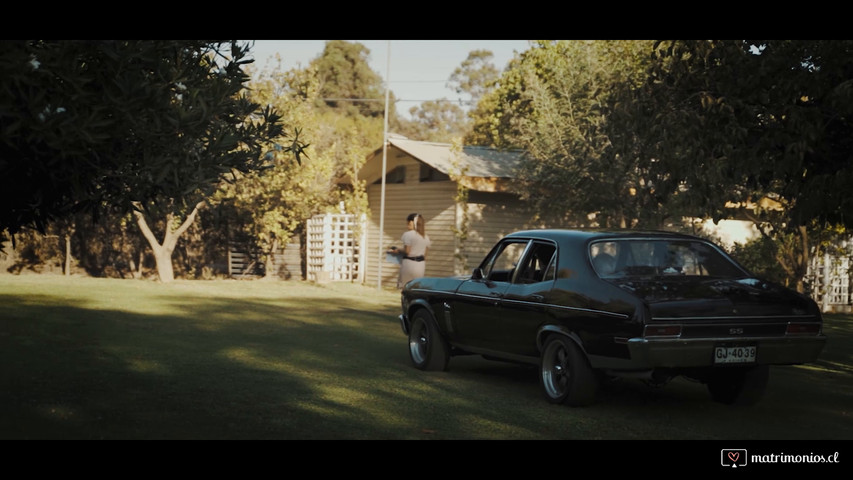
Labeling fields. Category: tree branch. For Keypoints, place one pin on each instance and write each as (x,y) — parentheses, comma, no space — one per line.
(143,225)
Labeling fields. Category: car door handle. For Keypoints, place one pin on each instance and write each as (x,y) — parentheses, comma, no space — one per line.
(537,298)
(495,294)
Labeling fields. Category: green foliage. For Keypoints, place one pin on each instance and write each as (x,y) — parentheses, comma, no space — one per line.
(780,130)
(759,257)
(639,133)
(442,120)
(275,202)
(143,126)
(760,124)
(644,133)
(460,199)
(92,123)
(434,121)
(475,76)
(37,252)
(346,81)
(557,101)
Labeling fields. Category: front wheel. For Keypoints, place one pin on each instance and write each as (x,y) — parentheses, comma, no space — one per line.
(739,386)
(565,374)
(427,348)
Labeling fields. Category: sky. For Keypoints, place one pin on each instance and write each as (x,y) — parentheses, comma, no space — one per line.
(416,70)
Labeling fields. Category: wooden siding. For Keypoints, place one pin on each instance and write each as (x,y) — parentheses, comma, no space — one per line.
(490,217)
(433,200)
(289,261)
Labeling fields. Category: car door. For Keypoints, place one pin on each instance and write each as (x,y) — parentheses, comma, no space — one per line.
(524,302)
(477,304)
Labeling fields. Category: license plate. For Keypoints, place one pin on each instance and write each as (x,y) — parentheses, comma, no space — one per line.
(743,354)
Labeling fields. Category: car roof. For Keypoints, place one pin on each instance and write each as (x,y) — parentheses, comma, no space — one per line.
(595,234)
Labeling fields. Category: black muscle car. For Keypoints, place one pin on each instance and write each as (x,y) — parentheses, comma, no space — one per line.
(585,306)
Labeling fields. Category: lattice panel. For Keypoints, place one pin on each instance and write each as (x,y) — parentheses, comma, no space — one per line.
(333,249)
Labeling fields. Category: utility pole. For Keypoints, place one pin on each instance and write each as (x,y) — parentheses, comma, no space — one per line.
(381,257)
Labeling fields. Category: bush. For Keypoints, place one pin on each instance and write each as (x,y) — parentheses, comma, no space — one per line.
(759,257)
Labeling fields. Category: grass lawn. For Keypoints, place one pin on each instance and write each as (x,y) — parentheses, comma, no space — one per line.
(89,358)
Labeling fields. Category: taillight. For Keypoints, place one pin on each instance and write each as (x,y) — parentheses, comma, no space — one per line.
(662,331)
(802,329)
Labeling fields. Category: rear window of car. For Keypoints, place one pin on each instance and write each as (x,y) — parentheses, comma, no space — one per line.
(656,257)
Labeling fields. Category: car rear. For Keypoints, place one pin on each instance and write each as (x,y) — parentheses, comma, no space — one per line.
(701,309)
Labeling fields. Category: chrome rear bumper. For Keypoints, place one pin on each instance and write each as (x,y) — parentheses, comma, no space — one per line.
(677,353)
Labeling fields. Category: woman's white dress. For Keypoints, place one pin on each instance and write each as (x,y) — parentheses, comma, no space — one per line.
(411,269)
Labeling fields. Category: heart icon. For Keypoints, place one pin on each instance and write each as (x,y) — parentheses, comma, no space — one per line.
(734,456)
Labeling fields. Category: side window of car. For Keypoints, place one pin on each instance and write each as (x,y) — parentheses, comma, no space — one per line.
(535,265)
(551,270)
(501,267)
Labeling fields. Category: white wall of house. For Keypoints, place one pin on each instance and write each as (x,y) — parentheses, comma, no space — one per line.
(491,216)
(729,232)
(433,200)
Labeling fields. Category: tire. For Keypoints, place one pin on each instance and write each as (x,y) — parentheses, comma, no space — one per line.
(565,374)
(739,386)
(427,348)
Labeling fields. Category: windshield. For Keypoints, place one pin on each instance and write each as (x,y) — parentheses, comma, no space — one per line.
(655,257)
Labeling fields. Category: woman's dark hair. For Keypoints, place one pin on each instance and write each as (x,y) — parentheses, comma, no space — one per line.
(420,223)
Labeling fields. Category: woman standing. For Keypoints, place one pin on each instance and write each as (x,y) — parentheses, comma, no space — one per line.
(416,243)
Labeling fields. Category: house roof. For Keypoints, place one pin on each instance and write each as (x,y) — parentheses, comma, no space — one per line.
(478,168)
(482,162)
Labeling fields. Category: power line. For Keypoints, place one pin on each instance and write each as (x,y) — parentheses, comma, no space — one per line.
(466,102)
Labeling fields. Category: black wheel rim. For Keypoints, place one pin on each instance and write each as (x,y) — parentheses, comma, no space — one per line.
(418,342)
(555,370)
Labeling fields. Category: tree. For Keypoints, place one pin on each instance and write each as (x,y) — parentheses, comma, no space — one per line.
(142,126)
(346,81)
(56,128)
(278,199)
(475,76)
(443,120)
(644,133)
(495,113)
(434,121)
(764,125)
(556,101)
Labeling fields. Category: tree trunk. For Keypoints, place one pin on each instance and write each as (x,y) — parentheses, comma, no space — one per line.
(794,258)
(67,255)
(802,263)
(270,268)
(163,260)
(163,251)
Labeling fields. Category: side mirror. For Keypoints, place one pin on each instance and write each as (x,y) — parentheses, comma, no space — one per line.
(477,274)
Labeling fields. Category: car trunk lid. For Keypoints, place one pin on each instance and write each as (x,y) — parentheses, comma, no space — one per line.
(704,299)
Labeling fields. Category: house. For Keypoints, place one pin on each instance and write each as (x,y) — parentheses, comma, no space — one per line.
(426,178)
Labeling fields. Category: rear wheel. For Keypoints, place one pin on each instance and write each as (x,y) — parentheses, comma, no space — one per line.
(739,386)
(565,374)
(427,348)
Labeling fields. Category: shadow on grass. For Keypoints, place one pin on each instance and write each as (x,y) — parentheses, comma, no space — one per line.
(330,368)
